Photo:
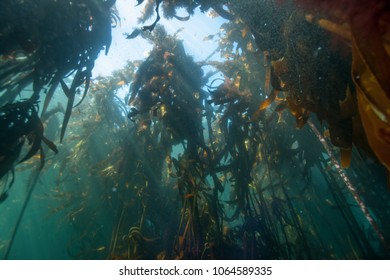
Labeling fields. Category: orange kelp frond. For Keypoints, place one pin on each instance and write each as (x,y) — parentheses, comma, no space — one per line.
(301,114)
(373,104)
(265,104)
(345,157)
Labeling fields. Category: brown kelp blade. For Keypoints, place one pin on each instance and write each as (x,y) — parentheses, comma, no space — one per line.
(50,144)
(373,104)
(50,93)
(372,52)
(36,144)
(68,110)
(265,104)
(78,80)
(182,18)
(87,83)
(151,27)
(345,157)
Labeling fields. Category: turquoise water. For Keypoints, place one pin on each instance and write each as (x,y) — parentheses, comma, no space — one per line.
(170,157)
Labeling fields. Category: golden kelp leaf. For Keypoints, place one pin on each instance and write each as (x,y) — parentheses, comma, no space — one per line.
(373,105)
(121,83)
(267,81)
(345,157)
(189,195)
(326,133)
(347,106)
(372,53)
(250,47)
(244,32)
(387,46)
(301,114)
(377,131)
(163,110)
(266,58)
(237,81)
(268,100)
(339,29)
(264,104)
(280,67)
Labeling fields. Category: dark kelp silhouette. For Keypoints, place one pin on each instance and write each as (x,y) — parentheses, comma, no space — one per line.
(248,166)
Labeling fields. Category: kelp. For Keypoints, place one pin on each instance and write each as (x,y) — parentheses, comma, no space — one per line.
(181,170)
(41,45)
(365,27)
(167,85)
(329,94)
(373,94)
(22,122)
(169,8)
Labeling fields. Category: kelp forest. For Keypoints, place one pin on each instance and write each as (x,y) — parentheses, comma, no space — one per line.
(277,146)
